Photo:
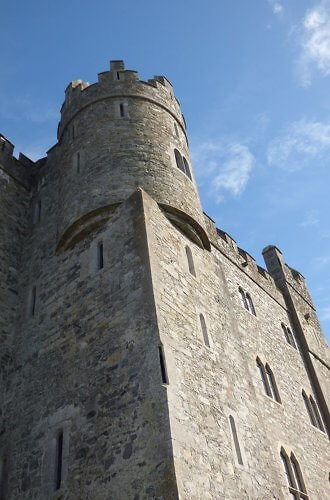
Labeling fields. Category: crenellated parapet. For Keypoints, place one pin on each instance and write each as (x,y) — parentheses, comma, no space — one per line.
(21,169)
(119,83)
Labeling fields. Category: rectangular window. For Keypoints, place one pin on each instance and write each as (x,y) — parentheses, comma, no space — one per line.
(121,110)
(59,461)
(33,301)
(162,364)
(235,438)
(100,260)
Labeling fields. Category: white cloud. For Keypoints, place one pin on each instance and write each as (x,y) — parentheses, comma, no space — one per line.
(322,261)
(300,144)
(315,42)
(225,166)
(278,8)
(311,219)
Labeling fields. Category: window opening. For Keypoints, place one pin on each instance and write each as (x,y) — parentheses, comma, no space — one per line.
(179,161)
(316,412)
(118,75)
(235,438)
(100,260)
(294,476)
(190,260)
(187,168)
(289,335)
(73,131)
(250,304)
(162,364)
(204,330)
(121,109)
(176,129)
(78,163)
(243,298)
(272,384)
(33,301)
(59,461)
(3,478)
(263,377)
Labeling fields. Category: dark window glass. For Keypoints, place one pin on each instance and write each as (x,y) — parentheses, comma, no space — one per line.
(162,364)
(179,161)
(100,261)
(121,109)
(59,461)
(33,301)
(187,168)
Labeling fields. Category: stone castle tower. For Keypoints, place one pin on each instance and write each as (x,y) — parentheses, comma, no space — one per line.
(143,355)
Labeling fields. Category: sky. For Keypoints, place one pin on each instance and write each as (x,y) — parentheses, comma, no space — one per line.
(252,77)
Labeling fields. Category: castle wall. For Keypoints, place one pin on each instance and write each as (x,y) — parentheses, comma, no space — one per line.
(206,385)
(87,365)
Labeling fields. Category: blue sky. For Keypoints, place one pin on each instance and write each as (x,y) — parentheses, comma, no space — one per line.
(253,81)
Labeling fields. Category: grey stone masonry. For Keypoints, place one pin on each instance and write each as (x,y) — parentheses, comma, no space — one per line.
(143,355)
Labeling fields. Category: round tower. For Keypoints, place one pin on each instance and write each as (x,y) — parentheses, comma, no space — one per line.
(115,136)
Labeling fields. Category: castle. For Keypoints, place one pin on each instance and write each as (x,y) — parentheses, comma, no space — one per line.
(143,354)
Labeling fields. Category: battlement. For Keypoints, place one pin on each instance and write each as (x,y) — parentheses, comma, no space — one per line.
(20,169)
(118,82)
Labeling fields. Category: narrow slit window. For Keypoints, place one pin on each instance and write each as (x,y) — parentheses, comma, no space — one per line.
(3,478)
(235,438)
(243,298)
(73,131)
(100,259)
(297,474)
(179,161)
(317,415)
(59,461)
(176,129)
(250,304)
(289,335)
(118,75)
(33,301)
(187,168)
(121,110)
(190,260)
(204,330)
(263,377)
(162,364)
(272,384)
(309,408)
(78,163)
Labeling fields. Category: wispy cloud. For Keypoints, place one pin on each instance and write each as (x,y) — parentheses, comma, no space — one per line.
(322,261)
(225,166)
(324,312)
(314,36)
(278,8)
(300,144)
(311,219)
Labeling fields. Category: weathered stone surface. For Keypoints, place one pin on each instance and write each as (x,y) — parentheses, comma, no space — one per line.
(82,359)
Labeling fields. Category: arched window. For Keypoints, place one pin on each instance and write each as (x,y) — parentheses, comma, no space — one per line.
(179,161)
(204,330)
(247,301)
(289,335)
(263,377)
(243,298)
(250,304)
(294,476)
(186,168)
(235,439)
(190,260)
(268,380)
(272,384)
(100,260)
(313,411)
